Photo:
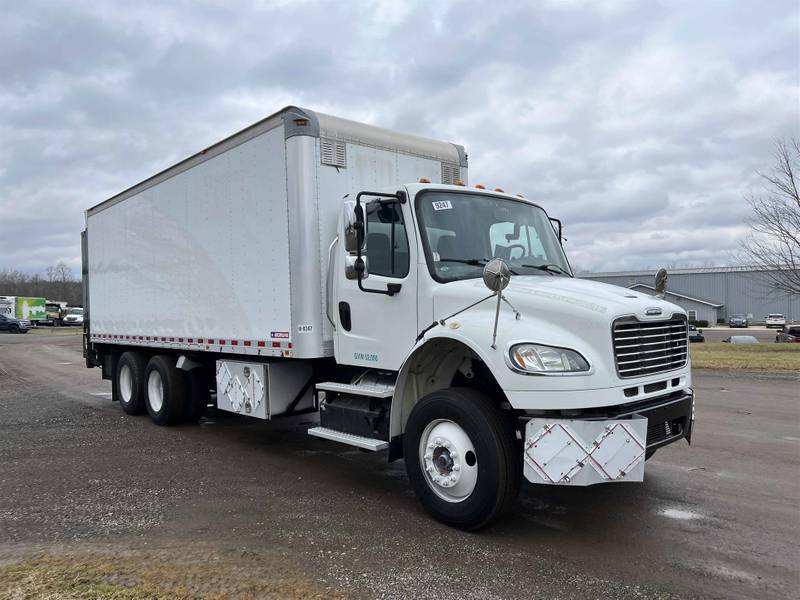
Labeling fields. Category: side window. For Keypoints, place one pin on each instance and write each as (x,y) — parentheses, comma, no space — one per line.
(387,242)
(692,314)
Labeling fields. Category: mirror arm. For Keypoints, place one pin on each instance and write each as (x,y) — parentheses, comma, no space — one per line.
(391,288)
(558,231)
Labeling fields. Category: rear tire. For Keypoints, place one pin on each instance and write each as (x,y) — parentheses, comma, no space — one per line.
(471,475)
(164,390)
(129,382)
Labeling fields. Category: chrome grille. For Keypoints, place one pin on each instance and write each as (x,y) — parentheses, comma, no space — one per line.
(647,347)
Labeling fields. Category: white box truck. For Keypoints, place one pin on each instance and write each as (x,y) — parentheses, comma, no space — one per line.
(311,264)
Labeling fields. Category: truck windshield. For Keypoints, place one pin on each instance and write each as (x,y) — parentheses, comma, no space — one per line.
(463,231)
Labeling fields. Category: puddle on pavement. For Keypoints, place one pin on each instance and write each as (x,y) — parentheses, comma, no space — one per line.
(680,514)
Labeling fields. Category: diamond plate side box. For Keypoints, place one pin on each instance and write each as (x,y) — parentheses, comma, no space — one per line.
(577,452)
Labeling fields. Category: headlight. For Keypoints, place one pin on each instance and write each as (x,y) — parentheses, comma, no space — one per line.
(535,358)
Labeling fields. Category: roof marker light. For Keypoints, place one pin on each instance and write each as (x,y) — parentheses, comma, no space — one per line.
(478,186)
(520,196)
(501,190)
(459,182)
(424,180)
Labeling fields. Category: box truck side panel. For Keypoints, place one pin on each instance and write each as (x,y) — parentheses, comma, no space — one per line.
(7,304)
(202,254)
(31,309)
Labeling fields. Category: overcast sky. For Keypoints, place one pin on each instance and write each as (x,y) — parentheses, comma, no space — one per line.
(640,124)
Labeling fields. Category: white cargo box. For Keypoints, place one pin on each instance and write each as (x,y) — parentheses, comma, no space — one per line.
(227,251)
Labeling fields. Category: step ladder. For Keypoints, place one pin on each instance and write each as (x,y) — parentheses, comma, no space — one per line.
(365,389)
(349,439)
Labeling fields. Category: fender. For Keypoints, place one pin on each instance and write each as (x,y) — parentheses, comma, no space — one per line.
(431,365)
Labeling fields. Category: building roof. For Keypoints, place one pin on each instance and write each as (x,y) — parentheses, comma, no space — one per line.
(678,294)
(652,272)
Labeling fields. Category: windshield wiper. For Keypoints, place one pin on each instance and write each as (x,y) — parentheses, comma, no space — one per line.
(475,262)
(549,268)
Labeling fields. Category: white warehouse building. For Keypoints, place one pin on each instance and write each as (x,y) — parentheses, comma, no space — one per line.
(712,294)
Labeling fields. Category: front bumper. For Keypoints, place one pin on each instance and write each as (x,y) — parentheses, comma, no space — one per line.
(606,447)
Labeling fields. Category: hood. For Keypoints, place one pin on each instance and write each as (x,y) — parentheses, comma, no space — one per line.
(554,311)
(558,299)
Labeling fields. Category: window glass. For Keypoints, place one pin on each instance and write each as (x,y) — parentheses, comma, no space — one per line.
(463,231)
(387,242)
(692,315)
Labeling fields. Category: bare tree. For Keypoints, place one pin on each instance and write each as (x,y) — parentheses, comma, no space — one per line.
(773,245)
(63,272)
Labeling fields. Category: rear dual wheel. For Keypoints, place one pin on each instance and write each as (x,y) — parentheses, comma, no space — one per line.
(164,390)
(156,386)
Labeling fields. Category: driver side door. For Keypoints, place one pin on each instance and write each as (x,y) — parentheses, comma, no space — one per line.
(375,329)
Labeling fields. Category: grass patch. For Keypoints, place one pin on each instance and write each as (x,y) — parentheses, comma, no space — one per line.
(62,579)
(158,576)
(755,357)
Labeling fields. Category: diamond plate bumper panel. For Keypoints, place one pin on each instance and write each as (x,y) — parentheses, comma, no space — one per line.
(579,452)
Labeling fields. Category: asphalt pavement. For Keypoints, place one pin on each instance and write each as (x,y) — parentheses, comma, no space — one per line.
(230,505)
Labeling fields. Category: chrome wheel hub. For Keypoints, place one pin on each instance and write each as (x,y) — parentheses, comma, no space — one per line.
(126,383)
(447,457)
(155,391)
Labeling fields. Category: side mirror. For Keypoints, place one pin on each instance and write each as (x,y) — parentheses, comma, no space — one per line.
(496,275)
(661,282)
(351,226)
(352,267)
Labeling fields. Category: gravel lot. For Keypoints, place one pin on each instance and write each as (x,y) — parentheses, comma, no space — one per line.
(241,508)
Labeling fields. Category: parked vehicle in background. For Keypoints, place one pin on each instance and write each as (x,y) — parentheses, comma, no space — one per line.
(74,316)
(24,308)
(789,335)
(308,265)
(775,320)
(55,312)
(738,321)
(14,325)
(695,334)
(740,339)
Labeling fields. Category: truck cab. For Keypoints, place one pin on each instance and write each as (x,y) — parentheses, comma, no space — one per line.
(578,382)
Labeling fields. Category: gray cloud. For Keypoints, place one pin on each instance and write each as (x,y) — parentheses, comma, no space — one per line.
(639,124)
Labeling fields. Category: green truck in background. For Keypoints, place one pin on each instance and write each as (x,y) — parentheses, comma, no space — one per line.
(25,308)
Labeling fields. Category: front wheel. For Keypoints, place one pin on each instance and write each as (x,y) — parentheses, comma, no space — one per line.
(461,457)
(13,329)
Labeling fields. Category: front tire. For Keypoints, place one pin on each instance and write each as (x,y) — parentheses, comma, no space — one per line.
(13,329)
(461,457)
(164,391)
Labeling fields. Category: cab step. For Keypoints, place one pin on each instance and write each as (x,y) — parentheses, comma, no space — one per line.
(365,389)
(349,438)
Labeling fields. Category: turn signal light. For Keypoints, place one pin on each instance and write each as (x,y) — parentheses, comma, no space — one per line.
(424,180)
(479,187)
